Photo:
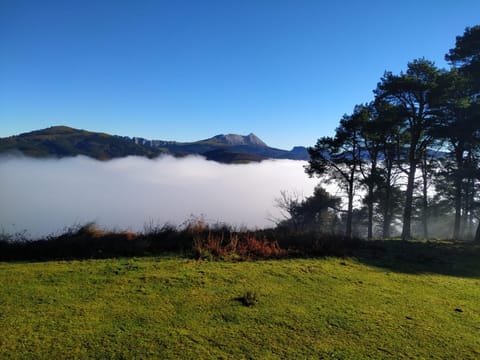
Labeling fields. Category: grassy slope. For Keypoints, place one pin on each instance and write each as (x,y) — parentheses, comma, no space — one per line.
(171,307)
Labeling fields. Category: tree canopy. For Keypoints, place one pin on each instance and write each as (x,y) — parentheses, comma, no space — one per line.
(421,132)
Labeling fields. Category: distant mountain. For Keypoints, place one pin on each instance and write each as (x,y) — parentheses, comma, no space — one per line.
(245,147)
(61,141)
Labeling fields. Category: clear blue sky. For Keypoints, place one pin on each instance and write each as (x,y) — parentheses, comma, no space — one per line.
(187,70)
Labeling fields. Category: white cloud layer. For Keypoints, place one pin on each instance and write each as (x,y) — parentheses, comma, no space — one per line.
(45,196)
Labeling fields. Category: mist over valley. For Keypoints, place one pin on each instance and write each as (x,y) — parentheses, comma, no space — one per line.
(43,196)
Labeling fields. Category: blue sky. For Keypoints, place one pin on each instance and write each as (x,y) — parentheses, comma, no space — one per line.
(188,70)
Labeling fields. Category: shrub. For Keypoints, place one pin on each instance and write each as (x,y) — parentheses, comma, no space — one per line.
(250,298)
(165,238)
(242,246)
(210,247)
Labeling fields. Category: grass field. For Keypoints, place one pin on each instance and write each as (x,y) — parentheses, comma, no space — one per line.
(394,300)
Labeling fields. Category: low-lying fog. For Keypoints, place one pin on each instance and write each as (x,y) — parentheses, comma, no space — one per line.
(45,196)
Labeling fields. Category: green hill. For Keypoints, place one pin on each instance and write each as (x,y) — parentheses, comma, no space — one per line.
(61,141)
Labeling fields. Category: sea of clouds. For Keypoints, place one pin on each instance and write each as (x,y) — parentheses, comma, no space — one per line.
(44,196)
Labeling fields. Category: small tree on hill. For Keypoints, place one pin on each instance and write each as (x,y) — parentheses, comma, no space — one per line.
(317,211)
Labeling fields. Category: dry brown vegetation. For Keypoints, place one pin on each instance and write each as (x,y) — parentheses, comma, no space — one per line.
(196,238)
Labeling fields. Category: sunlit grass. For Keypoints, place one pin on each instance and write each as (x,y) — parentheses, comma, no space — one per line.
(173,307)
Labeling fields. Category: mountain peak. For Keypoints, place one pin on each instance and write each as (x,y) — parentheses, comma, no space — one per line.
(234,139)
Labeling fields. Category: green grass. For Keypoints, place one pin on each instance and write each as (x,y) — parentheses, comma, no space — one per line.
(371,306)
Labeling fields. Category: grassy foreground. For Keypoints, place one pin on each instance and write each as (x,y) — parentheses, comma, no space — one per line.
(169,307)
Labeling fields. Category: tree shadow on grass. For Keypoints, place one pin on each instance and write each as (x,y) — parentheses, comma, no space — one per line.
(460,259)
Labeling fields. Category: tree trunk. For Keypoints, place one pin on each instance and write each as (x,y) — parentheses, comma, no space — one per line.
(467,210)
(458,192)
(371,182)
(464,218)
(471,224)
(348,230)
(458,208)
(387,212)
(425,198)
(472,207)
(477,234)
(425,218)
(370,214)
(387,222)
(407,213)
